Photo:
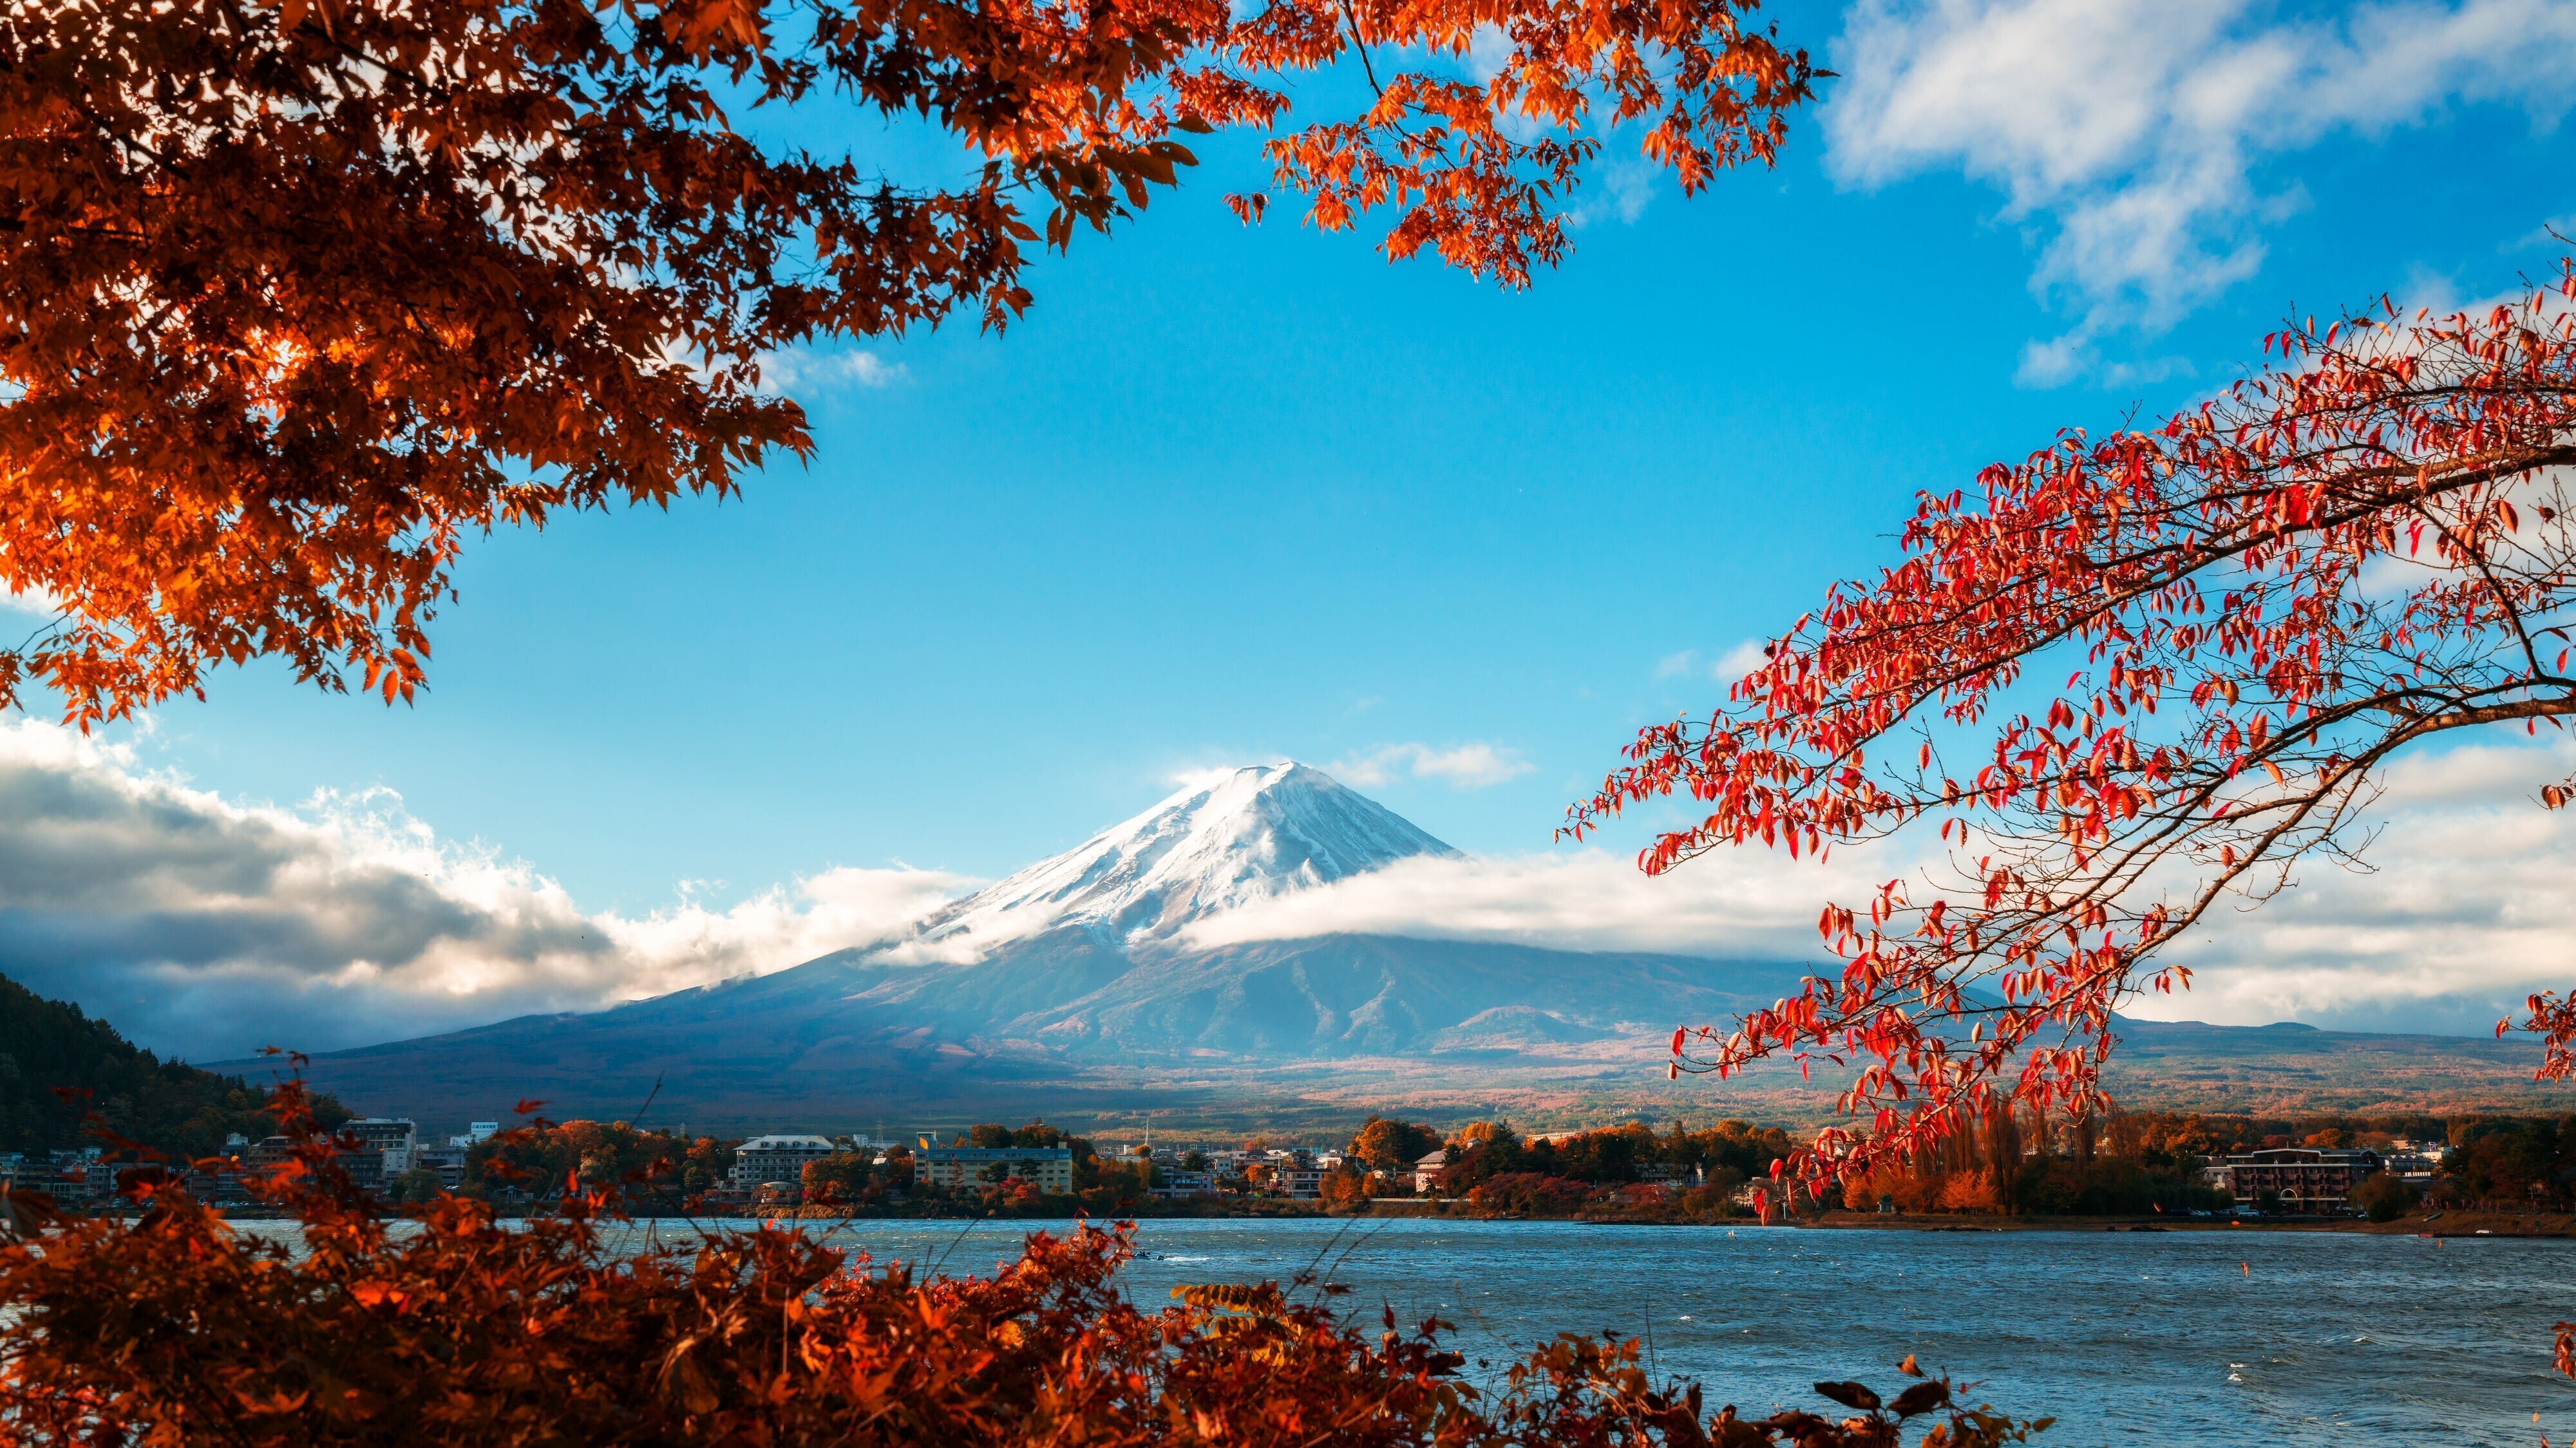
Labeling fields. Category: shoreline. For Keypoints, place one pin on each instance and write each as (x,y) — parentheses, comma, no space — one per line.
(2453,1223)
(2468,1223)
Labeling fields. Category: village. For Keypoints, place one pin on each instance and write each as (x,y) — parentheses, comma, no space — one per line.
(390,1158)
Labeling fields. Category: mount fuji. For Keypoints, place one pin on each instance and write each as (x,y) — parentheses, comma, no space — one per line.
(1075,978)
(1247,835)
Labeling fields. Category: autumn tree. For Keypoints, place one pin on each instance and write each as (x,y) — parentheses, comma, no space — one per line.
(545,1156)
(1391,1145)
(2255,605)
(296,296)
(839,1179)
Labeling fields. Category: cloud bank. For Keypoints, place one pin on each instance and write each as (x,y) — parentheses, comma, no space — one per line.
(2468,906)
(2134,130)
(207,929)
(1749,905)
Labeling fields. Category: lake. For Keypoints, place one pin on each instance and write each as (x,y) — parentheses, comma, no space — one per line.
(2180,1337)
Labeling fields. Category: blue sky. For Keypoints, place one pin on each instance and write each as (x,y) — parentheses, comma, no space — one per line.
(1228,494)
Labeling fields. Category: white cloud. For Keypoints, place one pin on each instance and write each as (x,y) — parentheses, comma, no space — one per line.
(802,369)
(1743,658)
(209,928)
(1739,661)
(2136,128)
(1623,187)
(37,602)
(1200,776)
(1463,766)
(1748,903)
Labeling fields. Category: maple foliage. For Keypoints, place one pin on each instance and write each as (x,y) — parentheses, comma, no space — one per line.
(298,295)
(173,1328)
(2258,602)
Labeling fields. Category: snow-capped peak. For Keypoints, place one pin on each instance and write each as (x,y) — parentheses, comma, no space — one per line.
(1223,841)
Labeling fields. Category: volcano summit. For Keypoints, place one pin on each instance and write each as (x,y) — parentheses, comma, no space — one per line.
(1246,835)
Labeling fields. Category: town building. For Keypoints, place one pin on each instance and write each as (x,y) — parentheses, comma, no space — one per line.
(447,1161)
(1048,1168)
(366,1169)
(1426,1172)
(778,1158)
(392,1138)
(1179,1182)
(267,1152)
(2414,1162)
(2305,1178)
(1301,1175)
(77,1178)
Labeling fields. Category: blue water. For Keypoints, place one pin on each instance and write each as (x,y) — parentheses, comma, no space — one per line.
(2182,1337)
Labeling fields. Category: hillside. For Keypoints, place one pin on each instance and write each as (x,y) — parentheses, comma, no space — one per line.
(167,1104)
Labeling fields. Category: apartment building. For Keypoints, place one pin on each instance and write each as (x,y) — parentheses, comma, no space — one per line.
(392,1138)
(2307,1178)
(1048,1168)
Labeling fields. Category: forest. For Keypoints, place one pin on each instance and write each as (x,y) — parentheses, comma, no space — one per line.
(66,1076)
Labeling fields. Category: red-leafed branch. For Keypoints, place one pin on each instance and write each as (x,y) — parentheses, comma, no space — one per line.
(2258,603)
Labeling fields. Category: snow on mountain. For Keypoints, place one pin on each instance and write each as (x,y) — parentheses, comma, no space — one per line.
(1251,834)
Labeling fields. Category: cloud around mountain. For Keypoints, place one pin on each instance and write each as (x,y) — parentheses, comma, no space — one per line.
(1748,905)
(2465,905)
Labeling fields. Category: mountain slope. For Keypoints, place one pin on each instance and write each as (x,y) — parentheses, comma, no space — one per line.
(1060,1017)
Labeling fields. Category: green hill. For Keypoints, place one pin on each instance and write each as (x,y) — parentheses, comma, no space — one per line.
(166,1104)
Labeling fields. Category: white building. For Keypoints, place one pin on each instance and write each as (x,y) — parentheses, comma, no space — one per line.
(778,1158)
